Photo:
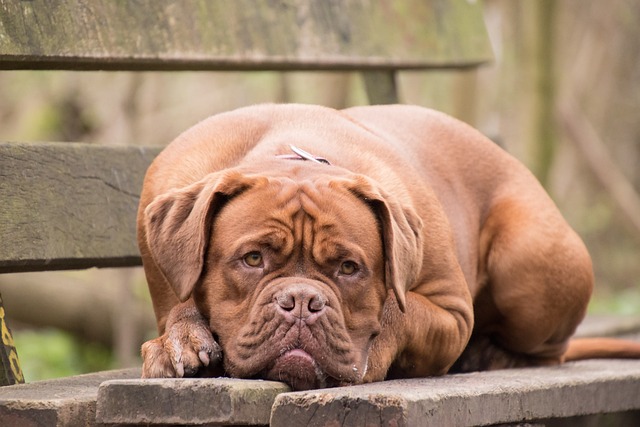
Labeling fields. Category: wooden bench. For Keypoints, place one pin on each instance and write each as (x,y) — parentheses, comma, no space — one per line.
(72,206)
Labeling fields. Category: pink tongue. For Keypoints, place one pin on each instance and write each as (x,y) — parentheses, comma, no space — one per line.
(298,354)
(297,368)
(298,363)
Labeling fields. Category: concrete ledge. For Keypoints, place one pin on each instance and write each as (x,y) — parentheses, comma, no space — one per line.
(507,396)
(61,402)
(187,401)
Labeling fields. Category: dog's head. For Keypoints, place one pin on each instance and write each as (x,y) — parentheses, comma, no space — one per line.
(292,274)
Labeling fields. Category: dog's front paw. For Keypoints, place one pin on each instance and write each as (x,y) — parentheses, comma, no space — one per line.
(186,349)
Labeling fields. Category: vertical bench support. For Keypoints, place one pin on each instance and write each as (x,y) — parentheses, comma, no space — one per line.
(10,371)
(381,87)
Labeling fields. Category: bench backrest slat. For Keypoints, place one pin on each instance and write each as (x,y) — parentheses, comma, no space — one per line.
(241,35)
(69,205)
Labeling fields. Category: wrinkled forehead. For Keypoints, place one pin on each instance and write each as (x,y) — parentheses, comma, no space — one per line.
(285,204)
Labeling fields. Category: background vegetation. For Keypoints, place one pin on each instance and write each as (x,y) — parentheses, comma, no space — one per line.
(562,95)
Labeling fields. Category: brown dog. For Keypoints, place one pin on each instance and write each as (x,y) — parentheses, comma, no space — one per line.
(265,261)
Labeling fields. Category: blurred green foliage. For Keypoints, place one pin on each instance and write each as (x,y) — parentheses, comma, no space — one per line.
(624,302)
(51,353)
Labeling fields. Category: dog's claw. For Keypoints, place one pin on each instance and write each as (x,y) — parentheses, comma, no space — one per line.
(186,347)
(204,358)
(179,370)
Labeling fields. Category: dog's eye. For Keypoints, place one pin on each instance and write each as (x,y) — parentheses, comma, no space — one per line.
(253,259)
(348,268)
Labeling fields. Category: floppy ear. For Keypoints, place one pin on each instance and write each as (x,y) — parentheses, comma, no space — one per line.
(178,226)
(401,236)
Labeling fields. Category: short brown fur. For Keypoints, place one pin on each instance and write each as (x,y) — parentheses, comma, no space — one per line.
(422,248)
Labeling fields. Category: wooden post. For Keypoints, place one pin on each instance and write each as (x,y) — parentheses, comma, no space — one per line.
(10,371)
(381,87)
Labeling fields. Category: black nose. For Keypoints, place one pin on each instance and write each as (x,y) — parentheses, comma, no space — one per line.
(300,301)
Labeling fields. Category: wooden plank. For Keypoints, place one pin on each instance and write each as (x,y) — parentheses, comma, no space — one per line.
(242,34)
(381,87)
(69,401)
(477,399)
(10,371)
(68,205)
(188,401)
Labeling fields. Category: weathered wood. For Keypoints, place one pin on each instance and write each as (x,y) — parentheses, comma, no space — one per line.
(10,371)
(69,205)
(189,401)
(242,34)
(381,87)
(476,399)
(61,402)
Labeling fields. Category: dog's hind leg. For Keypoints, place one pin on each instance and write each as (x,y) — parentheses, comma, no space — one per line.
(538,281)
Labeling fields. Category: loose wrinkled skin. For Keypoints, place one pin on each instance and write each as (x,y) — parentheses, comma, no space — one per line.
(380,265)
(296,298)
